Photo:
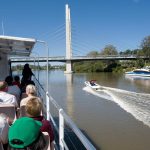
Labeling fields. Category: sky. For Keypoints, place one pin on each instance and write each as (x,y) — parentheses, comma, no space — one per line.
(94,23)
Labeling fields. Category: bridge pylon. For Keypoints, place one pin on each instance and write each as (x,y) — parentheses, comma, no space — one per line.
(68,41)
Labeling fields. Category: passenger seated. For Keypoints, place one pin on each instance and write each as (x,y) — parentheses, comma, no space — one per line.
(4,127)
(17,81)
(9,110)
(30,92)
(25,134)
(6,98)
(5,123)
(92,83)
(24,84)
(33,110)
(13,89)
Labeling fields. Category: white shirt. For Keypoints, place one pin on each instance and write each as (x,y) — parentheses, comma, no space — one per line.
(6,98)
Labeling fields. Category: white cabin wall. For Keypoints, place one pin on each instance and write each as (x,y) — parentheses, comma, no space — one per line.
(4,66)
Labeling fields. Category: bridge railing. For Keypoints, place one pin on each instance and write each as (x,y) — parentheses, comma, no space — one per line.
(77,58)
(63,57)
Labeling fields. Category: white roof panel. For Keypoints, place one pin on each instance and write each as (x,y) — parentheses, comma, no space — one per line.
(16,45)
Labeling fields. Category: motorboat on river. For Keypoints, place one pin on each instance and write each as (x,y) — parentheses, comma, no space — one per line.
(92,84)
(143,72)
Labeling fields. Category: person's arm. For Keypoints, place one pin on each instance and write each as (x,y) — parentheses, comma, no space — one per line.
(47,127)
(52,145)
(4,134)
(14,101)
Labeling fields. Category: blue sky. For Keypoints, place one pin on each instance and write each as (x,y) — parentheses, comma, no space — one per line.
(95,23)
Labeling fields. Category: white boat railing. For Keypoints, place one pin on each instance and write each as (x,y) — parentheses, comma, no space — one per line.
(63,119)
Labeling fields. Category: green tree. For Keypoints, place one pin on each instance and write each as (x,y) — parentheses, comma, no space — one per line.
(128,52)
(135,51)
(140,63)
(145,45)
(109,50)
(140,53)
(93,54)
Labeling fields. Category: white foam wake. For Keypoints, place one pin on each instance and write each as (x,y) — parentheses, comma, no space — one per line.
(137,104)
(101,93)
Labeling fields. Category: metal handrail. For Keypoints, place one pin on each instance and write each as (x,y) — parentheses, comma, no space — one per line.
(69,122)
(76,130)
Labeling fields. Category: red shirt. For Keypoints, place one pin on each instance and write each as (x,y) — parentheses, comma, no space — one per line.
(46,126)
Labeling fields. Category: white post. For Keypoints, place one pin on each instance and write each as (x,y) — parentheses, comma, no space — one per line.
(47,66)
(34,63)
(47,106)
(61,130)
(47,48)
(47,82)
(38,63)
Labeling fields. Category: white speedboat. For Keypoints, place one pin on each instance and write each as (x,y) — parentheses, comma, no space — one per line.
(143,72)
(92,84)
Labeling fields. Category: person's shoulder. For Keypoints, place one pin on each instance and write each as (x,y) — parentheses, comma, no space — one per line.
(2,93)
(46,123)
(14,88)
(24,101)
(9,95)
(12,96)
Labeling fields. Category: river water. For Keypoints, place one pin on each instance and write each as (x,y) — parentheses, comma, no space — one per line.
(114,118)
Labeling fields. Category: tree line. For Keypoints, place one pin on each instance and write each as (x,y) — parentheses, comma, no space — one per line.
(116,66)
(106,65)
(38,67)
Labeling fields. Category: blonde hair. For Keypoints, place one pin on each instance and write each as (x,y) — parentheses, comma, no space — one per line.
(34,106)
(31,89)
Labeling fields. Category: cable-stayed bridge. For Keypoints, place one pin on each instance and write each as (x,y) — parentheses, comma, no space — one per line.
(75,50)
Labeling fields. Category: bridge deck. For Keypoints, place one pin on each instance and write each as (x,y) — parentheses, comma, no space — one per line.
(74,59)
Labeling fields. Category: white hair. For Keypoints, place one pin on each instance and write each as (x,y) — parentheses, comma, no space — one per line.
(31,89)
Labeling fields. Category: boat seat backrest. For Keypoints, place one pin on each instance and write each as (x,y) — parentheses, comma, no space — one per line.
(22,111)
(9,110)
(47,138)
(24,95)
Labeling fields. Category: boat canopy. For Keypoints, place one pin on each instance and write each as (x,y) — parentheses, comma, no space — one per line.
(16,45)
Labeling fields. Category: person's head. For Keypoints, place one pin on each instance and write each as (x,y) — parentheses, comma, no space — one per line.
(17,78)
(25,134)
(29,82)
(26,66)
(34,107)
(9,80)
(30,90)
(3,86)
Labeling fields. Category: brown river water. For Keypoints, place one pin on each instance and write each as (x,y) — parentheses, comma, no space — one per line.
(117,121)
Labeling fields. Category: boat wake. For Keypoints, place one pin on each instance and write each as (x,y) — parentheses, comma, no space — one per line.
(99,93)
(137,104)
